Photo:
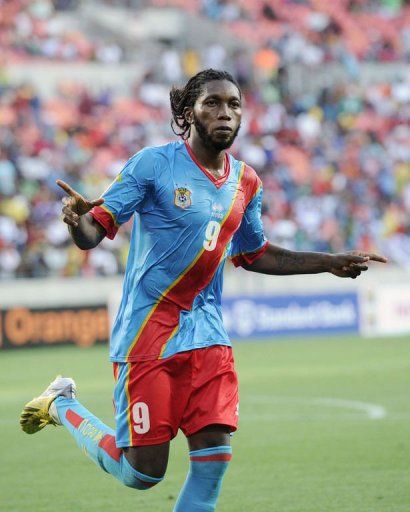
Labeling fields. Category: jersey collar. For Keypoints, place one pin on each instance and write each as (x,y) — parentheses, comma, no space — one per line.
(218,182)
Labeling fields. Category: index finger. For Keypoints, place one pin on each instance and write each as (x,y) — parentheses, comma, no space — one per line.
(66,187)
(355,258)
(376,257)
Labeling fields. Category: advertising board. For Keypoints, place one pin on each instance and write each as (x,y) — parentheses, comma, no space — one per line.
(386,310)
(83,326)
(265,316)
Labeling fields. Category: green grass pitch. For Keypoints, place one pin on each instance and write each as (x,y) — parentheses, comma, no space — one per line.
(324,427)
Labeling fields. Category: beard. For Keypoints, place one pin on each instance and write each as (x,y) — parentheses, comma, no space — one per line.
(209,141)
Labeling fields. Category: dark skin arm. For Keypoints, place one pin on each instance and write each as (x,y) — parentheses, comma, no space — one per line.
(86,232)
(279,261)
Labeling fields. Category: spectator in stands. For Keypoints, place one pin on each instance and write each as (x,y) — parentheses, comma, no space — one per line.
(335,164)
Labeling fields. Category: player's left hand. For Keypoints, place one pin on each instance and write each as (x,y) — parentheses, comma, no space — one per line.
(353,263)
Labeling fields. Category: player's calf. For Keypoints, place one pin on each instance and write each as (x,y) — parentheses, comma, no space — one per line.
(204,480)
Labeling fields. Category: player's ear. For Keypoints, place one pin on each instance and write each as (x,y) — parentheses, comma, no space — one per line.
(189,115)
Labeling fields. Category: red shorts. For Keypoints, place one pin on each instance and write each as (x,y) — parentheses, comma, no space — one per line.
(189,390)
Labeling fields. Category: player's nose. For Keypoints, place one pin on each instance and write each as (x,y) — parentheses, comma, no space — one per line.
(224,113)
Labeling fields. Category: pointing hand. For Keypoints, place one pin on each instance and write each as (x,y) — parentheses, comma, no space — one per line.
(75,205)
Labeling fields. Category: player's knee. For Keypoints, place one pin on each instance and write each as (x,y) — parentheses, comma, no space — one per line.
(137,483)
(155,468)
(142,477)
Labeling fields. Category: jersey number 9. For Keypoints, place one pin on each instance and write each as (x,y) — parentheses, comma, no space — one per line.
(211,235)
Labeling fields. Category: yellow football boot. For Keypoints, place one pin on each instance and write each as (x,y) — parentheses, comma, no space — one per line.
(41,411)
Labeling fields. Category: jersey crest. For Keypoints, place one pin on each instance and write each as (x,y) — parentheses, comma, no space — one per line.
(182,197)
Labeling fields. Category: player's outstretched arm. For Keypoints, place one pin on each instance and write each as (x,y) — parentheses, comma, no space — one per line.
(279,261)
(85,231)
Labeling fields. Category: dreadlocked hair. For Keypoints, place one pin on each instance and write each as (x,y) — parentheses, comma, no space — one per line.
(186,97)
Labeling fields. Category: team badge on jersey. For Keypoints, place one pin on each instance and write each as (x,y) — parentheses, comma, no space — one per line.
(182,197)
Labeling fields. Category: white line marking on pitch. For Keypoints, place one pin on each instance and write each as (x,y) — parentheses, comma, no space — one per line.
(373,411)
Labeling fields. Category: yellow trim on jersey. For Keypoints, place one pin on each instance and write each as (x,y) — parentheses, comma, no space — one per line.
(256,193)
(111,215)
(154,307)
(164,346)
(196,259)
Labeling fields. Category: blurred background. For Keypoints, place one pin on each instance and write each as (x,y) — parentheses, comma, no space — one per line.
(85,85)
(326,124)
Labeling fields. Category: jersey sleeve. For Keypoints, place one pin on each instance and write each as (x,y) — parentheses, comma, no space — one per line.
(249,242)
(127,193)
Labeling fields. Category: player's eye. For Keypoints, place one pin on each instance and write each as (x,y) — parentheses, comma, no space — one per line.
(210,103)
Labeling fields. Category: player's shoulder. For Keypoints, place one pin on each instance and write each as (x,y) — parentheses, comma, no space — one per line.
(152,157)
(251,174)
(156,152)
(249,177)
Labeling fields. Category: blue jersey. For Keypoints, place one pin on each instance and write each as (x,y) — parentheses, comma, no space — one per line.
(186,223)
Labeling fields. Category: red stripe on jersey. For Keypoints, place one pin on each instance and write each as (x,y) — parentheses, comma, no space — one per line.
(251,182)
(220,457)
(73,418)
(107,443)
(249,257)
(163,320)
(104,217)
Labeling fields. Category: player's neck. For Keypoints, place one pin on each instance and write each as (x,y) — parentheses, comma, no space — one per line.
(213,161)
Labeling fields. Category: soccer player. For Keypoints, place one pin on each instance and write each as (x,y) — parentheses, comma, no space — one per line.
(194,205)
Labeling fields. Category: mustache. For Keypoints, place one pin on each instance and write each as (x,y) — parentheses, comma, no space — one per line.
(207,139)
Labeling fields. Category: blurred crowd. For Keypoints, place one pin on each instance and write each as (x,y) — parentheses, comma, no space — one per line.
(314,31)
(335,164)
(38,29)
(286,31)
(335,168)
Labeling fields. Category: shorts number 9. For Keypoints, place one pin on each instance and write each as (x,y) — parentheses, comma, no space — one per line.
(140,416)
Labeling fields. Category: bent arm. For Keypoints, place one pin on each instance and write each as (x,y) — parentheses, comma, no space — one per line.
(88,233)
(279,261)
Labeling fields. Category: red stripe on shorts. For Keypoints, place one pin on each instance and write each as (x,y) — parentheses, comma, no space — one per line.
(107,443)
(220,457)
(115,368)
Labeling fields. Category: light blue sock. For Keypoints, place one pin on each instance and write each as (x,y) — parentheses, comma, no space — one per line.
(204,480)
(98,442)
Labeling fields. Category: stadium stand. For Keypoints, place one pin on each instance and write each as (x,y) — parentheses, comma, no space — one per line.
(315,31)
(335,162)
(46,30)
